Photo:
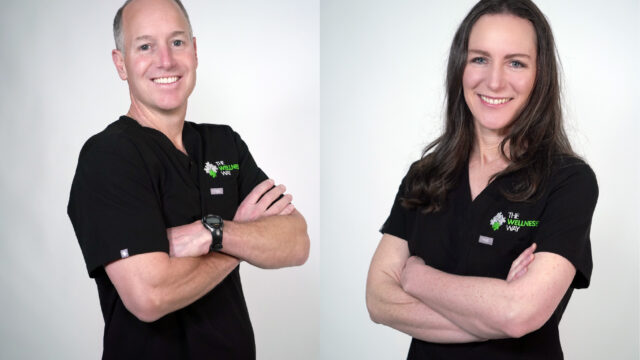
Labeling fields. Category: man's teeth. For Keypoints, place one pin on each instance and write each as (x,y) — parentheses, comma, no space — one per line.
(165,80)
(494,101)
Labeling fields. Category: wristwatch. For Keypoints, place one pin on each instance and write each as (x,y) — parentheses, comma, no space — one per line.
(214,224)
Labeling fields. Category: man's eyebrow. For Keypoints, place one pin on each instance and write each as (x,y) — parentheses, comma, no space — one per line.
(508,56)
(149,37)
(143,37)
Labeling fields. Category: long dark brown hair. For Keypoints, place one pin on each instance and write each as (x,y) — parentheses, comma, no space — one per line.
(535,135)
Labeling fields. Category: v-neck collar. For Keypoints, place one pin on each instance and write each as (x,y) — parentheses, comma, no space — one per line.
(189,139)
(484,193)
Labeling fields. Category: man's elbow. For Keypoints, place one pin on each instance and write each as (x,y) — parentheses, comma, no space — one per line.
(145,307)
(302,254)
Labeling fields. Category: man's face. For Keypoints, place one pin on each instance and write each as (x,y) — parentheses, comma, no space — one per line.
(159,60)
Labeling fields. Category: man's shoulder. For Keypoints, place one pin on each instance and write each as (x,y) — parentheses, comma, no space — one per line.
(119,136)
(211,129)
(219,134)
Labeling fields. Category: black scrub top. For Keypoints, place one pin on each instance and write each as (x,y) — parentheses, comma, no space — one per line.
(482,238)
(131,184)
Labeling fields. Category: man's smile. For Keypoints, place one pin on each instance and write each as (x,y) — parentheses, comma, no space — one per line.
(166,80)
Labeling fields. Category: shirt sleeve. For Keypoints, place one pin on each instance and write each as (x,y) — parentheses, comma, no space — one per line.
(250,175)
(565,224)
(113,205)
(400,219)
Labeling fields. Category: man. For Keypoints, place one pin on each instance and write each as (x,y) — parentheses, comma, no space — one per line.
(165,210)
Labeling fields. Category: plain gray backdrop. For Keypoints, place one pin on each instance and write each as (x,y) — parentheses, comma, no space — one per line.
(335,98)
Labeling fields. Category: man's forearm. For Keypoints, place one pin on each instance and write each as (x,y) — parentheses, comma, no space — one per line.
(268,242)
(152,285)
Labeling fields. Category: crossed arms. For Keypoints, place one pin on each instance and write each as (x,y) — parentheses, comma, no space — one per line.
(152,285)
(428,304)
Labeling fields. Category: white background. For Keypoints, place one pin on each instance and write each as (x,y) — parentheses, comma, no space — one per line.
(377,68)
(382,75)
(258,72)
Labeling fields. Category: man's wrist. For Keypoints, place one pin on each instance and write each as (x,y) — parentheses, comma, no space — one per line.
(214,224)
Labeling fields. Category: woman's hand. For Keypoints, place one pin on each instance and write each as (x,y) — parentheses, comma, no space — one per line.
(521,263)
(413,265)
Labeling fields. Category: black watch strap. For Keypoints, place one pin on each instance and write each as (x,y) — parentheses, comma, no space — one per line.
(214,224)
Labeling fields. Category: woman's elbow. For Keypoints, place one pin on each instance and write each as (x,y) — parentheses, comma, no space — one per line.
(374,307)
(522,320)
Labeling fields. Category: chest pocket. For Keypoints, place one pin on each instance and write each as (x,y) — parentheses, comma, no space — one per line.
(221,195)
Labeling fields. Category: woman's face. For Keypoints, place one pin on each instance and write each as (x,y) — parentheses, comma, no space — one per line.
(500,70)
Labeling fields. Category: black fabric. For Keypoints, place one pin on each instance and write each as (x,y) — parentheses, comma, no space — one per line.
(131,184)
(559,221)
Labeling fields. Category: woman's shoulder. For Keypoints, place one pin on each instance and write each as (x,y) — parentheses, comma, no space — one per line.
(571,170)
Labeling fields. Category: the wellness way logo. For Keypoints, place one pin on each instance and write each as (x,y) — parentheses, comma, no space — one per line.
(513,222)
(221,167)
(497,221)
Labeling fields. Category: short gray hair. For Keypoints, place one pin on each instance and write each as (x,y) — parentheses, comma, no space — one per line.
(118,34)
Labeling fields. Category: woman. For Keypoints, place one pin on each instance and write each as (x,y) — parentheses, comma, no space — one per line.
(455,267)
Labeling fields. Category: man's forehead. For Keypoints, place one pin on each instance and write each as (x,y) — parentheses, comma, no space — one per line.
(144,13)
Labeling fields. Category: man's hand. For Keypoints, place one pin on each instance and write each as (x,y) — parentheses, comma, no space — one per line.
(256,204)
(194,239)
(189,240)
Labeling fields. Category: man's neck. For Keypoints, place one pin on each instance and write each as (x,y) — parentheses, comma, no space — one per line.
(168,123)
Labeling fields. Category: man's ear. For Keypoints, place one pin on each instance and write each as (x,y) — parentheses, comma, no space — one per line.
(118,61)
(195,50)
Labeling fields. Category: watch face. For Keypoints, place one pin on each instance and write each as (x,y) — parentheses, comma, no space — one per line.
(213,221)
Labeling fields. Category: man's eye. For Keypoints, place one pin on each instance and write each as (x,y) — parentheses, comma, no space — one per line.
(145,47)
(178,42)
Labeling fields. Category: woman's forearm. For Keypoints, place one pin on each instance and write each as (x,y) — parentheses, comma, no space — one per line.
(492,308)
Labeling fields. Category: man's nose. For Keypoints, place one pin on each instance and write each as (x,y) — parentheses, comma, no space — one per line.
(165,57)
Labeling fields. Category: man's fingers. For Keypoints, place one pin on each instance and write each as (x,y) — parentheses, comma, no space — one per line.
(259,191)
(270,196)
(277,207)
(288,210)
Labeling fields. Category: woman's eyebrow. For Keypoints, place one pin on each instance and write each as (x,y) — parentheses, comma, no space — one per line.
(508,56)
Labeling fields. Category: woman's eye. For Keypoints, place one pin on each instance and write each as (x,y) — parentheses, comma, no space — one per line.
(178,42)
(479,60)
(517,64)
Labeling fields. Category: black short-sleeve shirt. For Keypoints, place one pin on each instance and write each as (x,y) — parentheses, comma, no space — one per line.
(482,238)
(131,184)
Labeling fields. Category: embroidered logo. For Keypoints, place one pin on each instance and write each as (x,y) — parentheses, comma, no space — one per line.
(497,221)
(514,223)
(211,169)
(219,167)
